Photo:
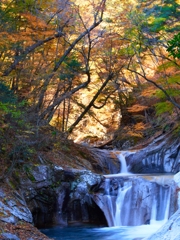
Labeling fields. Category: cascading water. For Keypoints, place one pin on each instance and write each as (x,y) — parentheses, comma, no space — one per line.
(132,200)
(120,204)
(113,203)
(161,205)
(122,160)
(136,204)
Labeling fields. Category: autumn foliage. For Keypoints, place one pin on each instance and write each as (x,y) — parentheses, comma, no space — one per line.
(72,63)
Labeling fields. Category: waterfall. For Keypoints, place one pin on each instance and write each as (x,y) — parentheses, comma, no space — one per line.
(122,156)
(109,208)
(133,201)
(120,204)
(112,205)
(161,205)
(122,160)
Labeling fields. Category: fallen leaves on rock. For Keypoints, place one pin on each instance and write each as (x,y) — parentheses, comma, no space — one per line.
(22,230)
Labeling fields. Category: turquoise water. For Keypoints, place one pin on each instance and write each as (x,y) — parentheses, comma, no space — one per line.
(105,233)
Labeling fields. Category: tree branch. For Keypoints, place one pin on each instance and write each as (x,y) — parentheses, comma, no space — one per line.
(169,98)
(110,76)
(28,50)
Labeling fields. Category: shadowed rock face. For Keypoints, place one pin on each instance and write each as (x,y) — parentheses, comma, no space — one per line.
(74,203)
(57,196)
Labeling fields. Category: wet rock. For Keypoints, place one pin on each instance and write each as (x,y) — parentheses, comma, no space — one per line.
(41,173)
(177,181)
(10,219)
(2,194)
(60,196)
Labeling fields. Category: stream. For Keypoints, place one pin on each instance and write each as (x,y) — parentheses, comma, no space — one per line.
(125,221)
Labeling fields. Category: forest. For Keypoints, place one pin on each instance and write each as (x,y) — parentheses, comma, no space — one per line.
(101,73)
(81,67)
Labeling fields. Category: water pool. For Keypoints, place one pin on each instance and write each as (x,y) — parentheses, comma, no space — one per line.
(87,232)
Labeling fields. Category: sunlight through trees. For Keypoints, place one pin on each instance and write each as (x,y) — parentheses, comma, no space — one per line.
(76,63)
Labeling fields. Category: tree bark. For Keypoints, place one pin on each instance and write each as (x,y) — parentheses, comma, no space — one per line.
(110,76)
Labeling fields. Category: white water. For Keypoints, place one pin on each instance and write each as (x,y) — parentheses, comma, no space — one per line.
(159,206)
(123,164)
(112,205)
(122,159)
(113,211)
(108,211)
(120,204)
(120,208)
(160,215)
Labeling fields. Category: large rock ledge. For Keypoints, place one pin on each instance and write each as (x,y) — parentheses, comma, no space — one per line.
(43,195)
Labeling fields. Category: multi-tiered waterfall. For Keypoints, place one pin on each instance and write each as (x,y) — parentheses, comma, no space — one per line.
(137,204)
(131,200)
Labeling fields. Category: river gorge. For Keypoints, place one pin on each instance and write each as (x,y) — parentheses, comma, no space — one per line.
(134,205)
(135,193)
